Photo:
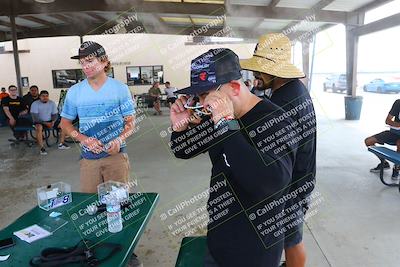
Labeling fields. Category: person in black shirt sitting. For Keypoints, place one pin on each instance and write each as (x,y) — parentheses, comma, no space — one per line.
(391,137)
(31,96)
(247,139)
(14,107)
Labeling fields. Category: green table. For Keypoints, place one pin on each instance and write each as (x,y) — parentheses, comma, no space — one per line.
(192,252)
(79,226)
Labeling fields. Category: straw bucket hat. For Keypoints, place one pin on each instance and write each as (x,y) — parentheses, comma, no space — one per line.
(272,56)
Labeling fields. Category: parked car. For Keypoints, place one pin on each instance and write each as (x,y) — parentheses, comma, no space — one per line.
(336,82)
(380,86)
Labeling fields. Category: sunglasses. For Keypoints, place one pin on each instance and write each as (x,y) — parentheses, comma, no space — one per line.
(193,103)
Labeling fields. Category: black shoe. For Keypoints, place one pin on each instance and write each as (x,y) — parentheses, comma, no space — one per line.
(134,261)
(378,168)
(395,173)
(283,264)
(43,151)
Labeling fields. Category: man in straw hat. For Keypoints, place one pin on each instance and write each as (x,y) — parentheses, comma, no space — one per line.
(271,63)
(251,173)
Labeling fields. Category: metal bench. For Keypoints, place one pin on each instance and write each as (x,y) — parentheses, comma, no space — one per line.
(384,153)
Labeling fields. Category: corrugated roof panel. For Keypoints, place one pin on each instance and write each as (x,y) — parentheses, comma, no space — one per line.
(346,5)
(171,1)
(274,24)
(177,21)
(241,22)
(28,23)
(4,29)
(145,17)
(48,18)
(190,1)
(205,21)
(308,26)
(297,3)
(109,16)
(251,2)
(205,1)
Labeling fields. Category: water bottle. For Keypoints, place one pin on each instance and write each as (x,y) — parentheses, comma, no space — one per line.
(114,219)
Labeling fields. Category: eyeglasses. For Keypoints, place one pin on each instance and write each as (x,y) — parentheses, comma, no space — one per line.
(193,103)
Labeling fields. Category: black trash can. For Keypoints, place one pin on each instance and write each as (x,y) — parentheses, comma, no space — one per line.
(352,106)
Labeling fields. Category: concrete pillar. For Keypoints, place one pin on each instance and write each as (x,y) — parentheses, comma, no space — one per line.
(16,55)
(305,48)
(352,51)
(351,61)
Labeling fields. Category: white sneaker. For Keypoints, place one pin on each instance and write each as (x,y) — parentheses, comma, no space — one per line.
(43,151)
(63,146)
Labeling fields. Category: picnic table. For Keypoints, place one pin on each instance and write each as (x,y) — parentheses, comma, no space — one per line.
(81,226)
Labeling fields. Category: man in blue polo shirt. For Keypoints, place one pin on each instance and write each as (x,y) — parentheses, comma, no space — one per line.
(106,119)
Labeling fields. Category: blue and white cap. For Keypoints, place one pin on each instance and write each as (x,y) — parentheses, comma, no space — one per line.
(215,67)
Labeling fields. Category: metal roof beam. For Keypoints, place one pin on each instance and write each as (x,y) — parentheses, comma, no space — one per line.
(18,27)
(273,3)
(285,13)
(29,8)
(96,17)
(38,20)
(379,25)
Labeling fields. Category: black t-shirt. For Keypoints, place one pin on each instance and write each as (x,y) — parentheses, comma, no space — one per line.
(28,100)
(249,177)
(294,98)
(15,105)
(395,111)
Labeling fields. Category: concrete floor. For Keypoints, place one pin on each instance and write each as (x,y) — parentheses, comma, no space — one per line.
(355,224)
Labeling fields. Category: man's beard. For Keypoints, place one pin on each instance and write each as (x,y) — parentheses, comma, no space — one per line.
(262,86)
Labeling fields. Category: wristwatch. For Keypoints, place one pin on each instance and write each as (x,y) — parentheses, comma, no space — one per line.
(232,124)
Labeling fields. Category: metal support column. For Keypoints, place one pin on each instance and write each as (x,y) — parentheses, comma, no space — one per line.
(15,49)
(305,49)
(351,61)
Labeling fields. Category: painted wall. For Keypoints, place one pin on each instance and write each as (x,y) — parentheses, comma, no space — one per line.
(47,54)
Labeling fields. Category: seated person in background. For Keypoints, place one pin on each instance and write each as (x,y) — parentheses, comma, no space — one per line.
(170,93)
(31,96)
(155,94)
(248,84)
(258,88)
(14,108)
(44,113)
(3,93)
(390,137)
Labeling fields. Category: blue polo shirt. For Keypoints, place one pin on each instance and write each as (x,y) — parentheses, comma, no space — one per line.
(100,112)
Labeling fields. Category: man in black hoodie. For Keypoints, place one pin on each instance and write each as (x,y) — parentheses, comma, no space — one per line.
(247,139)
(271,63)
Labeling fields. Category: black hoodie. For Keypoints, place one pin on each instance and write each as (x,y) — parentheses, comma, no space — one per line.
(249,178)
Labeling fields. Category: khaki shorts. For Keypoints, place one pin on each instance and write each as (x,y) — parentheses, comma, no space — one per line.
(96,171)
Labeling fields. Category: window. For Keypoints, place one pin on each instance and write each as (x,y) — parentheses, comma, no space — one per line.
(67,78)
(144,75)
